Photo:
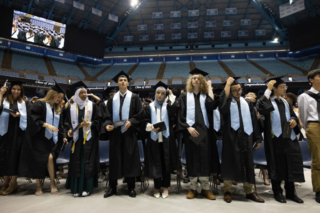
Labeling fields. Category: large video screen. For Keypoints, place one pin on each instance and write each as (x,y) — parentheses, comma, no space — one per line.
(30,28)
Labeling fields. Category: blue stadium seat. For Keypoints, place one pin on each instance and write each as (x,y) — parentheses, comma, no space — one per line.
(33,77)
(216,81)
(219,147)
(256,80)
(141,151)
(146,70)
(276,67)
(176,70)
(66,68)
(183,155)
(114,70)
(211,67)
(11,74)
(243,68)
(176,82)
(104,147)
(64,156)
(306,155)
(138,83)
(259,156)
(92,70)
(22,60)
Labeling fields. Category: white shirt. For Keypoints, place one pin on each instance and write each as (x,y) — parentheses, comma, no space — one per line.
(308,108)
(172,98)
(14,33)
(61,43)
(30,38)
(122,95)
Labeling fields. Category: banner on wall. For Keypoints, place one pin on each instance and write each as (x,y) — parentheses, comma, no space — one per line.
(175,14)
(289,9)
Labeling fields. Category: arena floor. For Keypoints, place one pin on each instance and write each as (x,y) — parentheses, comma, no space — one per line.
(26,201)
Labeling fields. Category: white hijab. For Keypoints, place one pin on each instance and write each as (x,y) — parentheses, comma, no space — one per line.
(78,100)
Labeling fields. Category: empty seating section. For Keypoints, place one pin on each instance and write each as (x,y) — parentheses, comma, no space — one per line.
(176,69)
(1,55)
(304,63)
(242,81)
(176,82)
(151,83)
(28,61)
(276,67)
(148,71)
(33,77)
(216,81)
(138,83)
(256,80)
(92,70)
(114,70)
(113,84)
(99,84)
(66,68)
(300,79)
(211,67)
(63,81)
(242,68)
(11,74)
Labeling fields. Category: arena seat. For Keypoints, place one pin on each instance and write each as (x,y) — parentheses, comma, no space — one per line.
(114,70)
(92,70)
(176,69)
(306,155)
(276,67)
(146,70)
(104,147)
(211,67)
(64,155)
(28,61)
(259,156)
(243,68)
(33,77)
(66,68)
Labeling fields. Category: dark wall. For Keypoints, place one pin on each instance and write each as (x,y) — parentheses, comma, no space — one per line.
(84,42)
(6,17)
(304,35)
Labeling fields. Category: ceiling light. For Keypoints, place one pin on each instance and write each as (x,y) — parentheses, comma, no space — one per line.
(134,3)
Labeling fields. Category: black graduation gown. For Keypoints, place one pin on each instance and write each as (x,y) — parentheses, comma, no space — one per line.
(91,147)
(104,134)
(36,147)
(10,143)
(202,159)
(153,163)
(124,150)
(283,155)
(237,146)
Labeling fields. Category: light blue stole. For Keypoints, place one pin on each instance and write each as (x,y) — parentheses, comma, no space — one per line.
(216,120)
(191,112)
(164,117)
(245,114)
(276,119)
(52,120)
(4,117)
(125,108)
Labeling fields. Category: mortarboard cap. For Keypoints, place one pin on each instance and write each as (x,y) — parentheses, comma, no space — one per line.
(17,82)
(197,71)
(57,88)
(278,79)
(109,90)
(161,84)
(74,87)
(122,73)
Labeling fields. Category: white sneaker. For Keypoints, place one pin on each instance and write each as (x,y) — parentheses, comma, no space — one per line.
(156,195)
(76,195)
(164,195)
(84,194)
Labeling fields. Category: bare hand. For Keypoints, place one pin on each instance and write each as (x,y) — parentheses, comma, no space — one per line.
(258,145)
(169,91)
(230,81)
(85,123)
(209,84)
(3,90)
(53,129)
(128,124)
(15,115)
(109,128)
(34,99)
(65,141)
(193,132)
(70,133)
(155,129)
(292,123)
(25,98)
(271,83)
(71,98)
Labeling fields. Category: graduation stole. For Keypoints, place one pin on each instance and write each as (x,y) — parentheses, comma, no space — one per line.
(245,115)
(164,117)
(74,112)
(125,108)
(14,32)
(105,103)
(191,109)
(276,128)
(4,117)
(52,120)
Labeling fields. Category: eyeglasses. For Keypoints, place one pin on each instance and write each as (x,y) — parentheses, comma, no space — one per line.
(284,87)
(236,91)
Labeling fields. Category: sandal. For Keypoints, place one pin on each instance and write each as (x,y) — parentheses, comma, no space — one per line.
(3,188)
(11,189)
(39,193)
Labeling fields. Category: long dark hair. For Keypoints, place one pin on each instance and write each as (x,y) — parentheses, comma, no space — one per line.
(9,96)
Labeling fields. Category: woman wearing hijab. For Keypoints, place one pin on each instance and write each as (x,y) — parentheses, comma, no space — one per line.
(13,125)
(160,160)
(44,139)
(84,117)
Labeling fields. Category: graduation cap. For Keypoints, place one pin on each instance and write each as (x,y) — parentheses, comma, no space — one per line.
(235,82)
(74,87)
(197,71)
(109,90)
(17,82)
(161,84)
(148,101)
(278,79)
(217,91)
(57,88)
(121,74)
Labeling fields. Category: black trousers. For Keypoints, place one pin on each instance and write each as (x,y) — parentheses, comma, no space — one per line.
(131,182)
(164,181)
(289,187)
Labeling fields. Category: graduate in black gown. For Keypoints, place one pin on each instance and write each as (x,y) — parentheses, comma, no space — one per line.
(196,107)
(124,150)
(12,132)
(241,135)
(84,155)
(160,154)
(44,139)
(284,158)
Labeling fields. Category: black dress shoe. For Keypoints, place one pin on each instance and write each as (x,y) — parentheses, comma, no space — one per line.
(318,196)
(294,198)
(279,197)
(186,179)
(110,193)
(132,193)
